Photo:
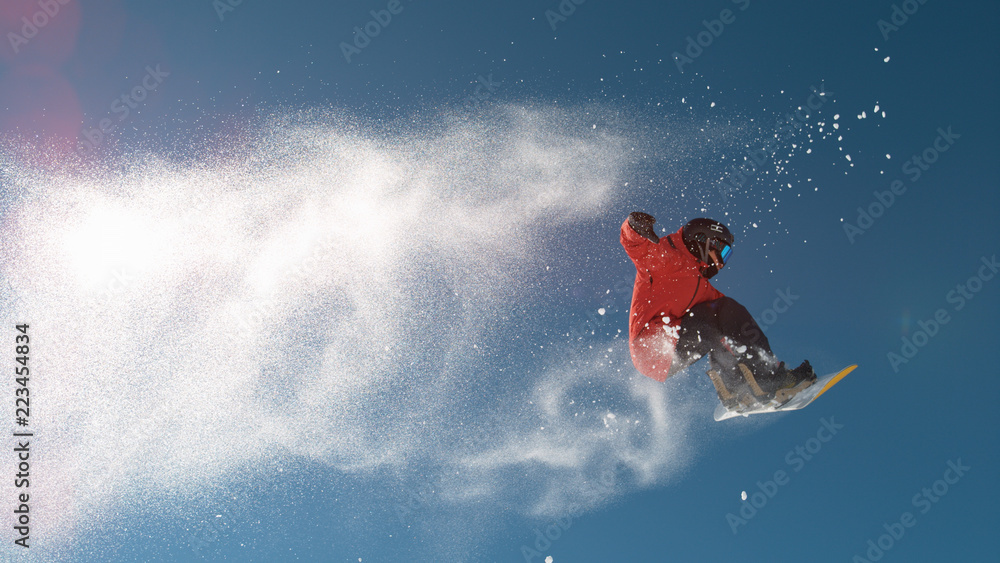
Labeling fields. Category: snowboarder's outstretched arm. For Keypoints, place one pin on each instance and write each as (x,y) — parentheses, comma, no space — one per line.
(642,224)
(637,235)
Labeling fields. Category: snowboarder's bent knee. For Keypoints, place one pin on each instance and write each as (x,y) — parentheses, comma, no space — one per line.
(677,316)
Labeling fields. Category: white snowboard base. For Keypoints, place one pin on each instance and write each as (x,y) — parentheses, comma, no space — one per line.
(799,401)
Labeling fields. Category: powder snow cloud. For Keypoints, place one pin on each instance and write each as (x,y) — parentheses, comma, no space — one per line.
(322,292)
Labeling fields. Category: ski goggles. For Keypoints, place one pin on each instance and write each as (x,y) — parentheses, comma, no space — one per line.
(722,249)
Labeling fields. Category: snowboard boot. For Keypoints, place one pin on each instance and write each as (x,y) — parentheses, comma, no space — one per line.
(788,383)
(804,373)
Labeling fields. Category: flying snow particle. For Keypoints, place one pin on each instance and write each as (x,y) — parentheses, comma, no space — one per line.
(602,310)
(885,60)
(743,495)
(278,248)
(548,559)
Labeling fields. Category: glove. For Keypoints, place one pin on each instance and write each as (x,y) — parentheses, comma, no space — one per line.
(642,224)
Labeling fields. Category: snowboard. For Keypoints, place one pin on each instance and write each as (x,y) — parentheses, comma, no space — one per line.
(798,401)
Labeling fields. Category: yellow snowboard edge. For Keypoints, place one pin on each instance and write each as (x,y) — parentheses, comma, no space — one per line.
(843,373)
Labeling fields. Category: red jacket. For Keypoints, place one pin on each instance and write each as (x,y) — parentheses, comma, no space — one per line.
(668,283)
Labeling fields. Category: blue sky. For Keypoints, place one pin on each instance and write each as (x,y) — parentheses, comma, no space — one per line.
(290,306)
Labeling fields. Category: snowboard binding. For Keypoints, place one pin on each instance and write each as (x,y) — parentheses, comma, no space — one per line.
(750,394)
(742,396)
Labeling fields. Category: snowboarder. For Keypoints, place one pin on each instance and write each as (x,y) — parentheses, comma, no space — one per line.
(677,316)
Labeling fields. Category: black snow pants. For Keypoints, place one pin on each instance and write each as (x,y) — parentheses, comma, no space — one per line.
(725,331)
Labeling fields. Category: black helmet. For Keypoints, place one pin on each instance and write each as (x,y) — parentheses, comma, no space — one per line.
(700,235)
